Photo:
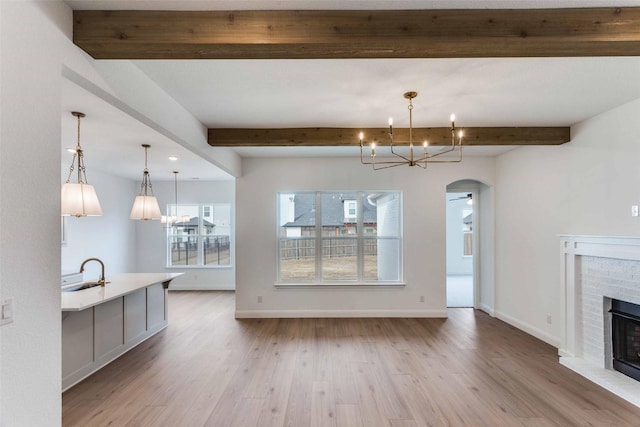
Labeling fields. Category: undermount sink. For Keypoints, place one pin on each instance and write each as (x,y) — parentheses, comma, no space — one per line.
(81,286)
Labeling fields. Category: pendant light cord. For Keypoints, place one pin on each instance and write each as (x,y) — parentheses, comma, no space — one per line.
(82,174)
(146,179)
(175,175)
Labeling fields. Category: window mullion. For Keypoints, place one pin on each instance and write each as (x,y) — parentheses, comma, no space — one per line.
(198,236)
(318,237)
(360,238)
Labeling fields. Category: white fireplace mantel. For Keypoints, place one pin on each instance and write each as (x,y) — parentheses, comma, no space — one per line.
(608,251)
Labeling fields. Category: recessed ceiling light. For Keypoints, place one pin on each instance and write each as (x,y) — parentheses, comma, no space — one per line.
(173,158)
(195,177)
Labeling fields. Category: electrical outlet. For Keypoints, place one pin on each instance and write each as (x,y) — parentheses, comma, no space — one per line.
(634,210)
(260,299)
(421,298)
(6,311)
(549,319)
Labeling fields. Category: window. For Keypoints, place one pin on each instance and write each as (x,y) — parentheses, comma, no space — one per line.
(327,237)
(350,210)
(202,240)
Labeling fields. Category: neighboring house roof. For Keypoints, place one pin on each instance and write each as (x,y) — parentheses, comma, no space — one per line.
(332,211)
(193,222)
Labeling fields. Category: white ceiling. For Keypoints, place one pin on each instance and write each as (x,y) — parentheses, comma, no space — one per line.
(112,142)
(365,92)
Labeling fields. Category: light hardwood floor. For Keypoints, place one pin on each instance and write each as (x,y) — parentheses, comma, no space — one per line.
(209,369)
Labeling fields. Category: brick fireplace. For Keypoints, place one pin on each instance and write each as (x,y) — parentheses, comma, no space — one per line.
(595,272)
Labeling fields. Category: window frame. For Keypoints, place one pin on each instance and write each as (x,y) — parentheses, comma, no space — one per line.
(199,237)
(360,238)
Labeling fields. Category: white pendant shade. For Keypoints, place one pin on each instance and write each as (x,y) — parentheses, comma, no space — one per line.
(79,200)
(145,208)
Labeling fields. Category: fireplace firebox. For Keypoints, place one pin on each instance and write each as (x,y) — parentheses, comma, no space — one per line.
(625,328)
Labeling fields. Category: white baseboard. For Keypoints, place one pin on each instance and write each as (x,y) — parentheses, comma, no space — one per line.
(201,287)
(261,314)
(541,335)
(487,309)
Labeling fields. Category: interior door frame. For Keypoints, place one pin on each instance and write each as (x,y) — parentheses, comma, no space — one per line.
(475,233)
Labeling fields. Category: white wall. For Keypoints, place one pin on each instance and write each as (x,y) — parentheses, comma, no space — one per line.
(584,187)
(151,237)
(30,371)
(110,237)
(424,236)
(484,213)
(457,263)
(36,45)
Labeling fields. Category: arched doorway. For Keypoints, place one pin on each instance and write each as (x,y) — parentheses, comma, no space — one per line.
(469,245)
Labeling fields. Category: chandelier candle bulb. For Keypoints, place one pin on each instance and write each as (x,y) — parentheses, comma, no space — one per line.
(390,126)
(453,121)
(373,149)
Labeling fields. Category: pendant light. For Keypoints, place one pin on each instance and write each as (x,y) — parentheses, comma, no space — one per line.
(79,199)
(145,206)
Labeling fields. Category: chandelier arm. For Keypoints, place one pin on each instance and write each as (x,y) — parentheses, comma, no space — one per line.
(362,157)
(390,165)
(458,160)
(393,152)
(422,164)
(448,150)
(445,161)
(399,155)
(457,146)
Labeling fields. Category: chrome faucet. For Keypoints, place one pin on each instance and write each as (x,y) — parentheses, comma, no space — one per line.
(102,279)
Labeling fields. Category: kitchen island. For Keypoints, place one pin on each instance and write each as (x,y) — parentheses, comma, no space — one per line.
(101,323)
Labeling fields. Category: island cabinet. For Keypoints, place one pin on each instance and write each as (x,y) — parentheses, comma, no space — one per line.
(102,323)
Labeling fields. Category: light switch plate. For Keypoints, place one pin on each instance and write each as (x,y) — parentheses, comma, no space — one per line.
(6,311)
(634,210)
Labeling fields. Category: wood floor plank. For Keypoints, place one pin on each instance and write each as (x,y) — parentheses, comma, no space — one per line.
(275,406)
(421,406)
(248,413)
(323,407)
(298,412)
(348,416)
(210,369)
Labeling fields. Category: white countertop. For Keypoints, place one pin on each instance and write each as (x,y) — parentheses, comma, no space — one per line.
(116,287)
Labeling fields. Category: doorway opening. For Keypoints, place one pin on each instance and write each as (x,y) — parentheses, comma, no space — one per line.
(460,249)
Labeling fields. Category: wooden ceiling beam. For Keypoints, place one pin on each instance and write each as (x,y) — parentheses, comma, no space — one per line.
(336,137)
(358,33)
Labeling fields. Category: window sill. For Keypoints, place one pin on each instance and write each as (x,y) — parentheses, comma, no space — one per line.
(341,285)
(202,267)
